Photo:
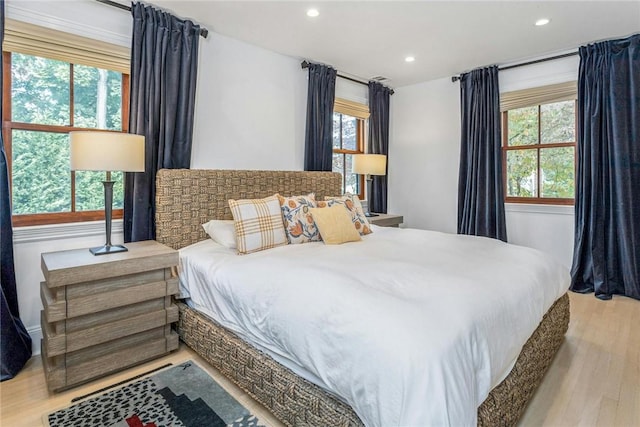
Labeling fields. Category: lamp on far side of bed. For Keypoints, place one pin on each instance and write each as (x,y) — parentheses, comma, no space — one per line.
(367,165)
(107,151)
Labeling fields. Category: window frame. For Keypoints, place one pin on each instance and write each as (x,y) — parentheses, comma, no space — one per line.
(8,126)
(538,147)
(360,132)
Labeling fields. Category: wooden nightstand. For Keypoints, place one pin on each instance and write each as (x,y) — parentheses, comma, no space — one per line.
(106,313)
(386,220)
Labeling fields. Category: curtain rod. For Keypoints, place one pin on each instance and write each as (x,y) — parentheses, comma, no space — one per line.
(203,31)
(522,64)
(305,64)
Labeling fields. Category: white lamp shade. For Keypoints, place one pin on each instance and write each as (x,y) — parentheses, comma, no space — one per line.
(370,164)
(106,151)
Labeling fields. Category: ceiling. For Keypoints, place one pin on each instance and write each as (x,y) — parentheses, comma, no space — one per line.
(366,39)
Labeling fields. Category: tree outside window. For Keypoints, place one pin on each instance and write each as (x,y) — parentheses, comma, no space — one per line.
(539,153)
(48,99)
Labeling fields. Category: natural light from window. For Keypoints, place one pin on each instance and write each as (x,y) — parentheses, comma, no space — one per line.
(50,98)
(347,141)
(539,153)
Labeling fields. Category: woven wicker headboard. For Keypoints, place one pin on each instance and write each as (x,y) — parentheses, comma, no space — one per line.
(187,198)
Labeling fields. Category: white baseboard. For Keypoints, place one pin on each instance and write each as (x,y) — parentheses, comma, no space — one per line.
(36,335)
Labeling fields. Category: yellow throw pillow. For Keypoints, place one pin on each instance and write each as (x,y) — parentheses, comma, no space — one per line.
(334,224)
(353,205)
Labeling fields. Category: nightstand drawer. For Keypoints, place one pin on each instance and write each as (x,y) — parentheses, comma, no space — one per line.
(83,298)
(76,338)
(84,365)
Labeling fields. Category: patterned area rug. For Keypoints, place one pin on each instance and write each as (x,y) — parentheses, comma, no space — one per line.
(182,395)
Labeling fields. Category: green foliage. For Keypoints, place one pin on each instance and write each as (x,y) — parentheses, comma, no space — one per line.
(556,169)
(40,94)
(522,173)
(89,85)
(558,122)
(558,172)
(90,190)
(40,90)
(523,126)
(41,176)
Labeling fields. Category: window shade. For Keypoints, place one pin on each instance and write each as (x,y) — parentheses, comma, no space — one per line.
(351,108)
(538,95)
(22,37)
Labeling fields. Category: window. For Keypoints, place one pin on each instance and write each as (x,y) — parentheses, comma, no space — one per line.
(348,139)
(49,95)
(348,134)
(50,98)
(539,152)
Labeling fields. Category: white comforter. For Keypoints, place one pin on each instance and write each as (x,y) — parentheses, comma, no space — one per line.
(409,327)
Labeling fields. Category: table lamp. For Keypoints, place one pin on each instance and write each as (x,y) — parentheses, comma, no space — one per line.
(367,165)
(107,151)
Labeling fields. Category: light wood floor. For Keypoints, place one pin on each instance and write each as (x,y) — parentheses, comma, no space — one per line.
(593,381)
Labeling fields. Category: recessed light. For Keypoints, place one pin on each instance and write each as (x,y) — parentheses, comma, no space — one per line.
(409,59)
(543,21)
(313,13)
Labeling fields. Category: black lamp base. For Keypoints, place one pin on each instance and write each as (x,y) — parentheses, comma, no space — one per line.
(108,249)
(370,188)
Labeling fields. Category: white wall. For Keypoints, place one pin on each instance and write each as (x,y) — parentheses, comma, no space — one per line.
(356,92)
(542,74)
(548,228)
(250,108)
(424,156)
(424,150)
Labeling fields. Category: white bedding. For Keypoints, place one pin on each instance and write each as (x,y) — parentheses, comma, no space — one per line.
(409,327)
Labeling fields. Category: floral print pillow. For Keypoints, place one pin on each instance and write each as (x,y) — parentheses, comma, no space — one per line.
(298,222)
(353,205)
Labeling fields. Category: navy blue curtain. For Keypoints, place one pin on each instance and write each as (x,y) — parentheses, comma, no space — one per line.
(480,190)
(379,96)
(318,145)
(606,258)
(15,345)
(164,63)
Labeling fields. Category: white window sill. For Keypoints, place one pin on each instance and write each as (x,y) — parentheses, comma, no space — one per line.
(72,230)
(540,209)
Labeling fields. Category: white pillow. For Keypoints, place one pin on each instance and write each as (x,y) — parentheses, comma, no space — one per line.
(221,231)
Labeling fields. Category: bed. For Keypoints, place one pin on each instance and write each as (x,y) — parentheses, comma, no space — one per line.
(188,198)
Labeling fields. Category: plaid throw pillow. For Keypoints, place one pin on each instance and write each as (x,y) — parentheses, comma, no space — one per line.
(258,224)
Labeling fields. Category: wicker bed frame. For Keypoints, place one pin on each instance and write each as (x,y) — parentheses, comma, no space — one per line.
(185,199)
